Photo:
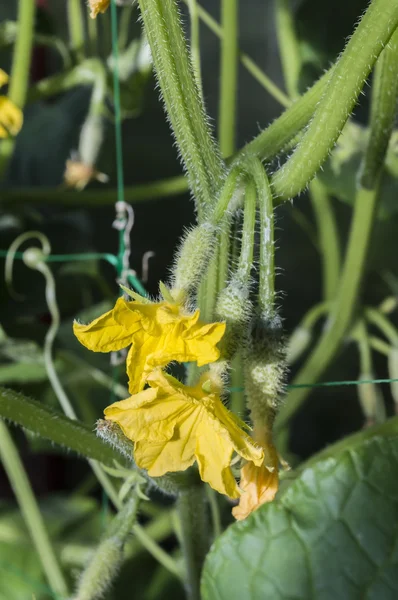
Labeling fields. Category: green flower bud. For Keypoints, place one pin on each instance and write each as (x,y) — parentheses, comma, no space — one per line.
(193,256)
(235,308)
(264,363)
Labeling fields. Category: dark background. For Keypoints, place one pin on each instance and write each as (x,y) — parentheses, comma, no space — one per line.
(49,135)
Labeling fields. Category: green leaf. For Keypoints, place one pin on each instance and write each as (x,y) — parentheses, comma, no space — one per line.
(55,427)
(332,534)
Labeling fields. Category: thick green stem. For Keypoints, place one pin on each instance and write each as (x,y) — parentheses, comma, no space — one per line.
(228,76)
(341,93)
(328,238)
(19,80)
(31,512)
(385,98)
(76,28)
(195,530)
(182,99)
(276,137)
(289,48)
(53,426)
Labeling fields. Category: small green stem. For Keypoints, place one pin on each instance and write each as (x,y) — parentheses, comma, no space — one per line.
(195,529)
(343,89)
(328,238)
(145,192)
(228,76)
(245,263)
(385,94)
(375,317)
(124,26)
(360,334)
(289,48)
(195,41)
(76,28)
(31,512)
(266,290)
(19,80)
(92,26)
(380,346)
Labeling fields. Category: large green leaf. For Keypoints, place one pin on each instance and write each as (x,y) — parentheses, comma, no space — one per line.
(332,534)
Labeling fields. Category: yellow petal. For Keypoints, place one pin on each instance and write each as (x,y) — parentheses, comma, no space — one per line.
(3,78)
(105,334)
(11,117)
(200,341)
(98,6)
(149,415)
(145,313)
(231,427)
(259,486)
(214,454)
(177,454)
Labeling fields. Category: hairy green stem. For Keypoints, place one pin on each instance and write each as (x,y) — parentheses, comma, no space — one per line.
(182,99)
(228,76)
(328,238)
(76,28)
(385,93)
(341,93)
(103,566)
(51,425)
(245,263)
(31,512)
(195,530)
(19,80)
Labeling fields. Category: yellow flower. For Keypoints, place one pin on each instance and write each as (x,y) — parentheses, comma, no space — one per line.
(160,333)
(98,6)
(11,117)
(258,483)
(173,425)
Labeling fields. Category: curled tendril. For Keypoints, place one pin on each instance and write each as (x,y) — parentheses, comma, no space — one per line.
(9,263)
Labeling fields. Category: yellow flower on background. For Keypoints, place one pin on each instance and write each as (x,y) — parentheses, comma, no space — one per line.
(98,6)
(259,484)
(11,117)
(173,426)
(160,333)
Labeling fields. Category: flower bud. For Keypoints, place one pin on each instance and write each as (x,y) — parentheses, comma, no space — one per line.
(234,307)
(265,368)
(193,256)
